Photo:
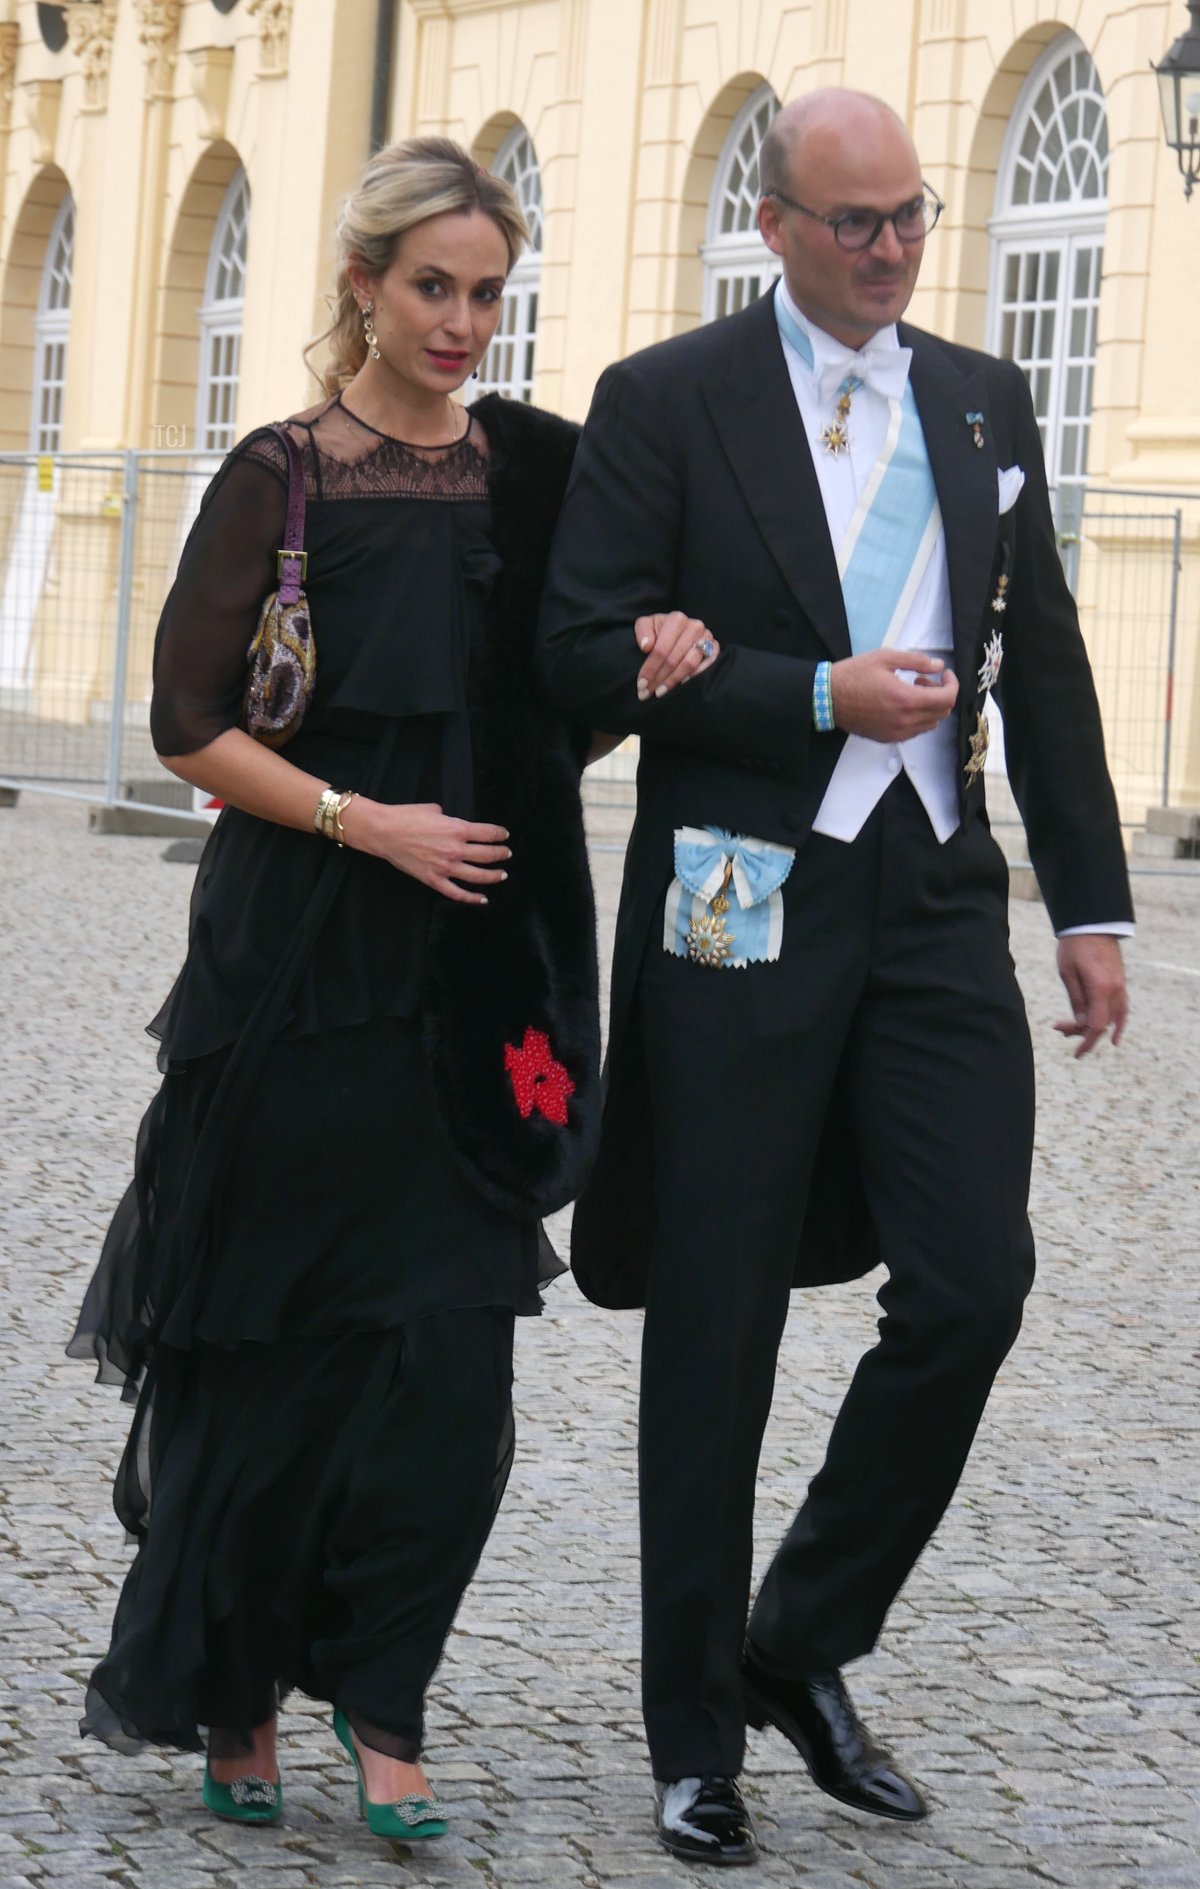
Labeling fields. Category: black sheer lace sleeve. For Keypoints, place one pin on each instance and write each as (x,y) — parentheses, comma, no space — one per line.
(227,568)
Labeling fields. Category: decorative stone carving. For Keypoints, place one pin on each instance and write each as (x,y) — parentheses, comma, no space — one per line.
(43,97)
(274,34)
(211,69)
(90,28)
(158,30)
(10,39)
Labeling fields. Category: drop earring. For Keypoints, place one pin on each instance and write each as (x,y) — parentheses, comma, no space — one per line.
(369,330)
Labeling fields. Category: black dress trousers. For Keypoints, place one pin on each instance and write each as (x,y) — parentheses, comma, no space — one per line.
(895,982)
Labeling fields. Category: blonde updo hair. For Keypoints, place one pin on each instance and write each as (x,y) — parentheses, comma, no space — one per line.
(401,186)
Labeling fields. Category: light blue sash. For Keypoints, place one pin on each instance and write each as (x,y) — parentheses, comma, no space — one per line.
(895,526)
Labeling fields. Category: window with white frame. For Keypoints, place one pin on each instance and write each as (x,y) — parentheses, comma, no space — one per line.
(221,315)
(507,367)
(51,330)
(1048,253)
(29,550)
(738,266)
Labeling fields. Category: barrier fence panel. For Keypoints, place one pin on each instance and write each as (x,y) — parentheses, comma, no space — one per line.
(89,543)
(170,486)
(1137,583)
(60,533)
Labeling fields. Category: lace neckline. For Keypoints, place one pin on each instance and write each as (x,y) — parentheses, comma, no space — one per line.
(409,446)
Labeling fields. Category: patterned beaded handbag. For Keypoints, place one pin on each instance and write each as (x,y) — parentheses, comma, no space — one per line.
(283,652)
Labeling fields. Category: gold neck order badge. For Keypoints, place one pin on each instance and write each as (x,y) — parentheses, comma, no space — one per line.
(708,940)
(834,437)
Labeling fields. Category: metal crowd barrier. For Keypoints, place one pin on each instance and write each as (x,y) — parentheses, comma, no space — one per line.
(89,543)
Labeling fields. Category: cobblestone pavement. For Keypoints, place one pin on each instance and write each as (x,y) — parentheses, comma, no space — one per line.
(1038,1674)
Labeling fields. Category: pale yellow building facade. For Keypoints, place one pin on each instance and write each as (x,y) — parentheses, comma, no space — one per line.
(169,171)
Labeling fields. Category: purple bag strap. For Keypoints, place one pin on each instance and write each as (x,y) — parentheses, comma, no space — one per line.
(291,563)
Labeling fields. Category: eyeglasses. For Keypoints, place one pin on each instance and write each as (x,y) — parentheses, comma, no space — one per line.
(858,229)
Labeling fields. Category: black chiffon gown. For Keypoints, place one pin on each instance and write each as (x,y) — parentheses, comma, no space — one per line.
(311,1308)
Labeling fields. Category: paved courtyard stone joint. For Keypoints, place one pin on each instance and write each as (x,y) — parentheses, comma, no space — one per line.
(1038,1674)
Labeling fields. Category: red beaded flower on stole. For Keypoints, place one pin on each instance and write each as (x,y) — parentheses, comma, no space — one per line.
(538,1080)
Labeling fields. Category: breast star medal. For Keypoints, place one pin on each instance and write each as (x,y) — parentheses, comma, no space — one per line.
(979,748)
(834,437)
(708,940)
(989,669)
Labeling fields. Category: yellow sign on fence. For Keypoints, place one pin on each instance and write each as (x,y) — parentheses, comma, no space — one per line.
(45,467)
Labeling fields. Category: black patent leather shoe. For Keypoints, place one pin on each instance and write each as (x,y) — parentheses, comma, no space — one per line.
(704,1820)
(816,1715)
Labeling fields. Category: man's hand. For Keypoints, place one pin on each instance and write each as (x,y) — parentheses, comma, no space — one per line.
(1090,966)
(674,647)
(870,699)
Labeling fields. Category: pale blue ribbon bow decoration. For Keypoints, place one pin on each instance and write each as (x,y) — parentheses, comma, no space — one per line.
(753,923)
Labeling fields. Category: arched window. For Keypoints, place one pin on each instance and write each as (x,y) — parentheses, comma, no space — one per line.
(737,264)
(507,367)
(221,321)
(27,558)
(51,330)
(1048,252)
(52,24)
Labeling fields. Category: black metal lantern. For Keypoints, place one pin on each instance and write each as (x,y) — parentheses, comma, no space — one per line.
(1179,86)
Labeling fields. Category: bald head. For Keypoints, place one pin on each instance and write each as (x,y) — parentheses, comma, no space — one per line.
(825,157)
(821,132)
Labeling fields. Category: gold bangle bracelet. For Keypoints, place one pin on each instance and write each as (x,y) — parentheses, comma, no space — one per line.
(323,818)
(339,808)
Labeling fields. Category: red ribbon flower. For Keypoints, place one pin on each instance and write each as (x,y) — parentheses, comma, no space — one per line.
(539,1082)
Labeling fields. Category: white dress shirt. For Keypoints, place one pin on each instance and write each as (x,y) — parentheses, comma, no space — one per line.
(866,769)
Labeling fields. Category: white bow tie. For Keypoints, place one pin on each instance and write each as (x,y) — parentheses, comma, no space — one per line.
(884,370)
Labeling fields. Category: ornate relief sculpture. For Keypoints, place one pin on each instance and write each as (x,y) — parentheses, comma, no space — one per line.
(158,30)
(10,39)
(274,32)
(90,28)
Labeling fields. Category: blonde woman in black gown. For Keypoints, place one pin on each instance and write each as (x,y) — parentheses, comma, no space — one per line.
(379,1060)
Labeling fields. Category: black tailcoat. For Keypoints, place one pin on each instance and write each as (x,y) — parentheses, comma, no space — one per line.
(694,489)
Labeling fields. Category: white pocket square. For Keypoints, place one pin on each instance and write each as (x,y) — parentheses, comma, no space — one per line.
(1011,480)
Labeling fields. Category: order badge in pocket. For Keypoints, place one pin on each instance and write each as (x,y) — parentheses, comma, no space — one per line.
(724,907)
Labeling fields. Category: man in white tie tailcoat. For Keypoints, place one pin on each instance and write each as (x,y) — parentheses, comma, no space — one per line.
(819,1058)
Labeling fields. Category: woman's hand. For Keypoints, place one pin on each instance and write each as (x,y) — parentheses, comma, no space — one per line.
(676,648)
(430,845)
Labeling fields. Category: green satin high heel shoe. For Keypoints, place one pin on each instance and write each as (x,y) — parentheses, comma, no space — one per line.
(246,1800)
(409,1819)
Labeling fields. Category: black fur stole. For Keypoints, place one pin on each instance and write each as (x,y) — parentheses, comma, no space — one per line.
(511,1021)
